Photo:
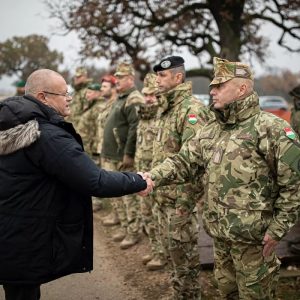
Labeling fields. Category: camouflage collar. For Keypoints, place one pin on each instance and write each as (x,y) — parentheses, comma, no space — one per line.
(238,111)
(177,94)
(148,112)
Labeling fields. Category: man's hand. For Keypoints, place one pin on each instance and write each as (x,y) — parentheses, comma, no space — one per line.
(269,245)
(150,184)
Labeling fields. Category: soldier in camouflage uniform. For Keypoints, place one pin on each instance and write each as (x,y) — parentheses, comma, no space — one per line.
(118,150)
(180,117)
(251,160)
(79,103)
(146,133)
(294,245)
(87,125)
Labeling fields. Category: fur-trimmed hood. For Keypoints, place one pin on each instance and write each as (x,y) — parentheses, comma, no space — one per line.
(19,126)
(18,137)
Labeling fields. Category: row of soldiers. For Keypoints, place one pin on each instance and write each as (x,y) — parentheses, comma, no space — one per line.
(128,130)
(125,129)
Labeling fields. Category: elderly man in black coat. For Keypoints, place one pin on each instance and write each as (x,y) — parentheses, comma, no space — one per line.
(46,184)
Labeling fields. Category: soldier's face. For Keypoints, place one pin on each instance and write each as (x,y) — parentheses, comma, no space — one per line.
(124,83)
(92,95)
(80,79)
(166,80)
(224,93)
(106,89)
(150,98)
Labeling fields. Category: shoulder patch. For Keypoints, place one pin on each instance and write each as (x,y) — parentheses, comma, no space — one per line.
(289,133)
(192,119)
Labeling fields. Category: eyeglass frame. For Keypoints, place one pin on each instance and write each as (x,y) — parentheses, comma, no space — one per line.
(67,94)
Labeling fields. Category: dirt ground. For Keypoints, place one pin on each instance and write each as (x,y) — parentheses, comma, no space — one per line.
(120,275)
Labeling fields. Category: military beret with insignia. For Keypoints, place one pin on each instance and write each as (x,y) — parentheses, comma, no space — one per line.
(169,63)
(20,83)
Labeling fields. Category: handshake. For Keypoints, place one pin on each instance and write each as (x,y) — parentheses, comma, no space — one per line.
(150,184)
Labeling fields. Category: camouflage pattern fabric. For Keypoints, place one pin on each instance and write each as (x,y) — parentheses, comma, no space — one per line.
(127,207)
(146,133)
(254,277)
(251,160)
(225,70)
(78,105)
(179,119)
(124,69)
(87,126)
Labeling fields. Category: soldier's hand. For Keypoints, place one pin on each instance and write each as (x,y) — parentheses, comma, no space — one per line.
(269,245)
(150,185)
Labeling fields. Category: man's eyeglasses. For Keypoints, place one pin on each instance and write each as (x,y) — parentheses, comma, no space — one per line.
(57,94)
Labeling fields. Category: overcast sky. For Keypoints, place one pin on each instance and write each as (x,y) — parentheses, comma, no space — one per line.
(24,17)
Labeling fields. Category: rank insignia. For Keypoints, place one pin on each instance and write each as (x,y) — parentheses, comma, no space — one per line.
(289,133)
(192,119)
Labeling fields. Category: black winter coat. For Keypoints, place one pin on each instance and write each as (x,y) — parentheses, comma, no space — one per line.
(46,183)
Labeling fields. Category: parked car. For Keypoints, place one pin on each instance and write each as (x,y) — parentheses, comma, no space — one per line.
(204,98)
(276,105)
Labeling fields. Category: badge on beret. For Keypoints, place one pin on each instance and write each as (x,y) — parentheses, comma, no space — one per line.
(165,64)
(289,133)
(192,119)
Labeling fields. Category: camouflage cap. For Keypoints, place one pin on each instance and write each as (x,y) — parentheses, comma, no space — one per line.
(295,92)
(94,86)
(80,71)
(124,69)
(225,70)
(150,84)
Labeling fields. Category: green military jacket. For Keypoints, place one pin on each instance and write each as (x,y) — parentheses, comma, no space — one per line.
(180,118)
(295,120)
(119,136)
(251,160)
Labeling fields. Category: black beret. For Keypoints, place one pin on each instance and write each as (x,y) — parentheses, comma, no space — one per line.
(169,63)
(295,92)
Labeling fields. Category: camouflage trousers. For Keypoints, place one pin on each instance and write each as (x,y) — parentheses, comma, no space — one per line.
(179,238)
(127,208)
(243,273)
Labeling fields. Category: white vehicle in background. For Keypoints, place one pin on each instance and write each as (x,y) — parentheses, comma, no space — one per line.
(204,98)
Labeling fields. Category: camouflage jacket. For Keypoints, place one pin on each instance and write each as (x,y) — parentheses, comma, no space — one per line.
(78,104)
(146,133)
(178,121)
(119,136)
(87,126)
(252,178)
(295,120)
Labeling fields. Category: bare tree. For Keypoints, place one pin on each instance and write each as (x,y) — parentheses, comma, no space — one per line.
(145,30)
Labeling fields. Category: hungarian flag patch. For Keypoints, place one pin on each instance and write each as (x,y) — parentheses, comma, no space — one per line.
(192,119)
(289,133)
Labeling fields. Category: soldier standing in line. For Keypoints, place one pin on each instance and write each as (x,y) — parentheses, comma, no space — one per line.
(118,150)
(79,103)
(294,245)
(109,93)
(146,133)
(251,161)
(87,125)
(180,117)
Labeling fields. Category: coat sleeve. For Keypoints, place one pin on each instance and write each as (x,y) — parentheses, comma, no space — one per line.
(62,158)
